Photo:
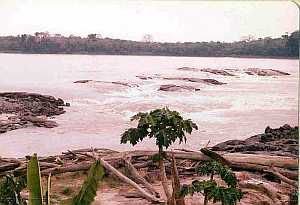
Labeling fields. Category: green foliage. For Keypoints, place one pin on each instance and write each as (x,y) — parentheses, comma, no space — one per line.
(198,187)
(164,125)
(285,46)
(210,189)
(10,188)
(66,191)
(214,167)
(34,181)
(293,44)
(84,197)
(88,190)
(293,199)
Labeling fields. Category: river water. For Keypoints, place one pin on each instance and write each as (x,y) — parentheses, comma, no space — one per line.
(100,112)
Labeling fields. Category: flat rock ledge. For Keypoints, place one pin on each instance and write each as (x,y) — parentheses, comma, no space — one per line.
(234,72)
(207,81)
(126,84)
(207,70)
(22,109)
(174,88)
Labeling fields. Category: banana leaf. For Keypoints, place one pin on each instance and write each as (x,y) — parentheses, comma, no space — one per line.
(34,181)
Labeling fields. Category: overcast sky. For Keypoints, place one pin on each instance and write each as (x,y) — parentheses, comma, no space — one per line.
(170,21)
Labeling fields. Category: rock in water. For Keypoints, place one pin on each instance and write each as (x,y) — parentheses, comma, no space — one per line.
(172,88)
(21,109)
(265,72)
(207,70)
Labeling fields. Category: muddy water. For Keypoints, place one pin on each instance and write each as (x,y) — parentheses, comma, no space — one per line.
(100,112)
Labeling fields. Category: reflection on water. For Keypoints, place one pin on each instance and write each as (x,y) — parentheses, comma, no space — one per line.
(100,112)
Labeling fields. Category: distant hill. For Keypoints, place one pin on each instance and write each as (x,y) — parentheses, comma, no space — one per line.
(286,46)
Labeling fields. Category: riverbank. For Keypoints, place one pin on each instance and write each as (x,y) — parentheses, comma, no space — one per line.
(266,173)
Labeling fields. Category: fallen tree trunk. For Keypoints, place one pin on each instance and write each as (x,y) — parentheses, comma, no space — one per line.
(234,158)
(282,178)
(261,187)
(134,173)
(125,179)
(248,166)
(71,168)
(215,156)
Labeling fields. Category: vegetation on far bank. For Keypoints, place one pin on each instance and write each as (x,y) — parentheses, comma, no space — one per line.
(287,46)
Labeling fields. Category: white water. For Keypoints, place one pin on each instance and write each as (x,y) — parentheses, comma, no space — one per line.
(99,112)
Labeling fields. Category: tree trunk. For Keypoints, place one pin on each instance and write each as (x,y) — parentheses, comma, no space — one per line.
(139,179)
(125,179)
(178,200)
(205,199)
(163,178)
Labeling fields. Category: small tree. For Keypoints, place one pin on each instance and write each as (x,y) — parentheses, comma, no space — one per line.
(210,189)
(166,127)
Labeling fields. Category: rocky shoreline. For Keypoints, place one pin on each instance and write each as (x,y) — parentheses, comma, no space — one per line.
(22,109)
(282,141)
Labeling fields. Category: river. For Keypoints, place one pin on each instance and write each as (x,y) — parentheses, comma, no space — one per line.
(100,112)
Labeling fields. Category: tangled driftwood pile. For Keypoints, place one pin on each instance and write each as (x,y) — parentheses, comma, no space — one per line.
(279,169)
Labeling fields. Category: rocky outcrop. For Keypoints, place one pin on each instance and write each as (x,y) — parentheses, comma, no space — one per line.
(208,70)
(82,81)
(280,141)
(187,79)
(196,80)
(21,109)
(189,69)
(229,72)
(265,72)
(173,88)
(111,82)
(142,77)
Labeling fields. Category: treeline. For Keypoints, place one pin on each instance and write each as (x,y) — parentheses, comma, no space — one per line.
(285,46)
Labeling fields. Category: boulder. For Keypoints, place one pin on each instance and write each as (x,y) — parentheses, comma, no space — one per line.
(82,81)
(196,80)
(207,70)
(265,72)
(172,88)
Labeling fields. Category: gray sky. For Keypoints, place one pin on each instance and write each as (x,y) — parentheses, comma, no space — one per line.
(170,21)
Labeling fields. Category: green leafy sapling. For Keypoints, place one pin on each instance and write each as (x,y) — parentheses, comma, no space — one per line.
(228,195)
(165,126)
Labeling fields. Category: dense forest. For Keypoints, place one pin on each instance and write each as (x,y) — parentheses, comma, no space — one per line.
(43,42)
